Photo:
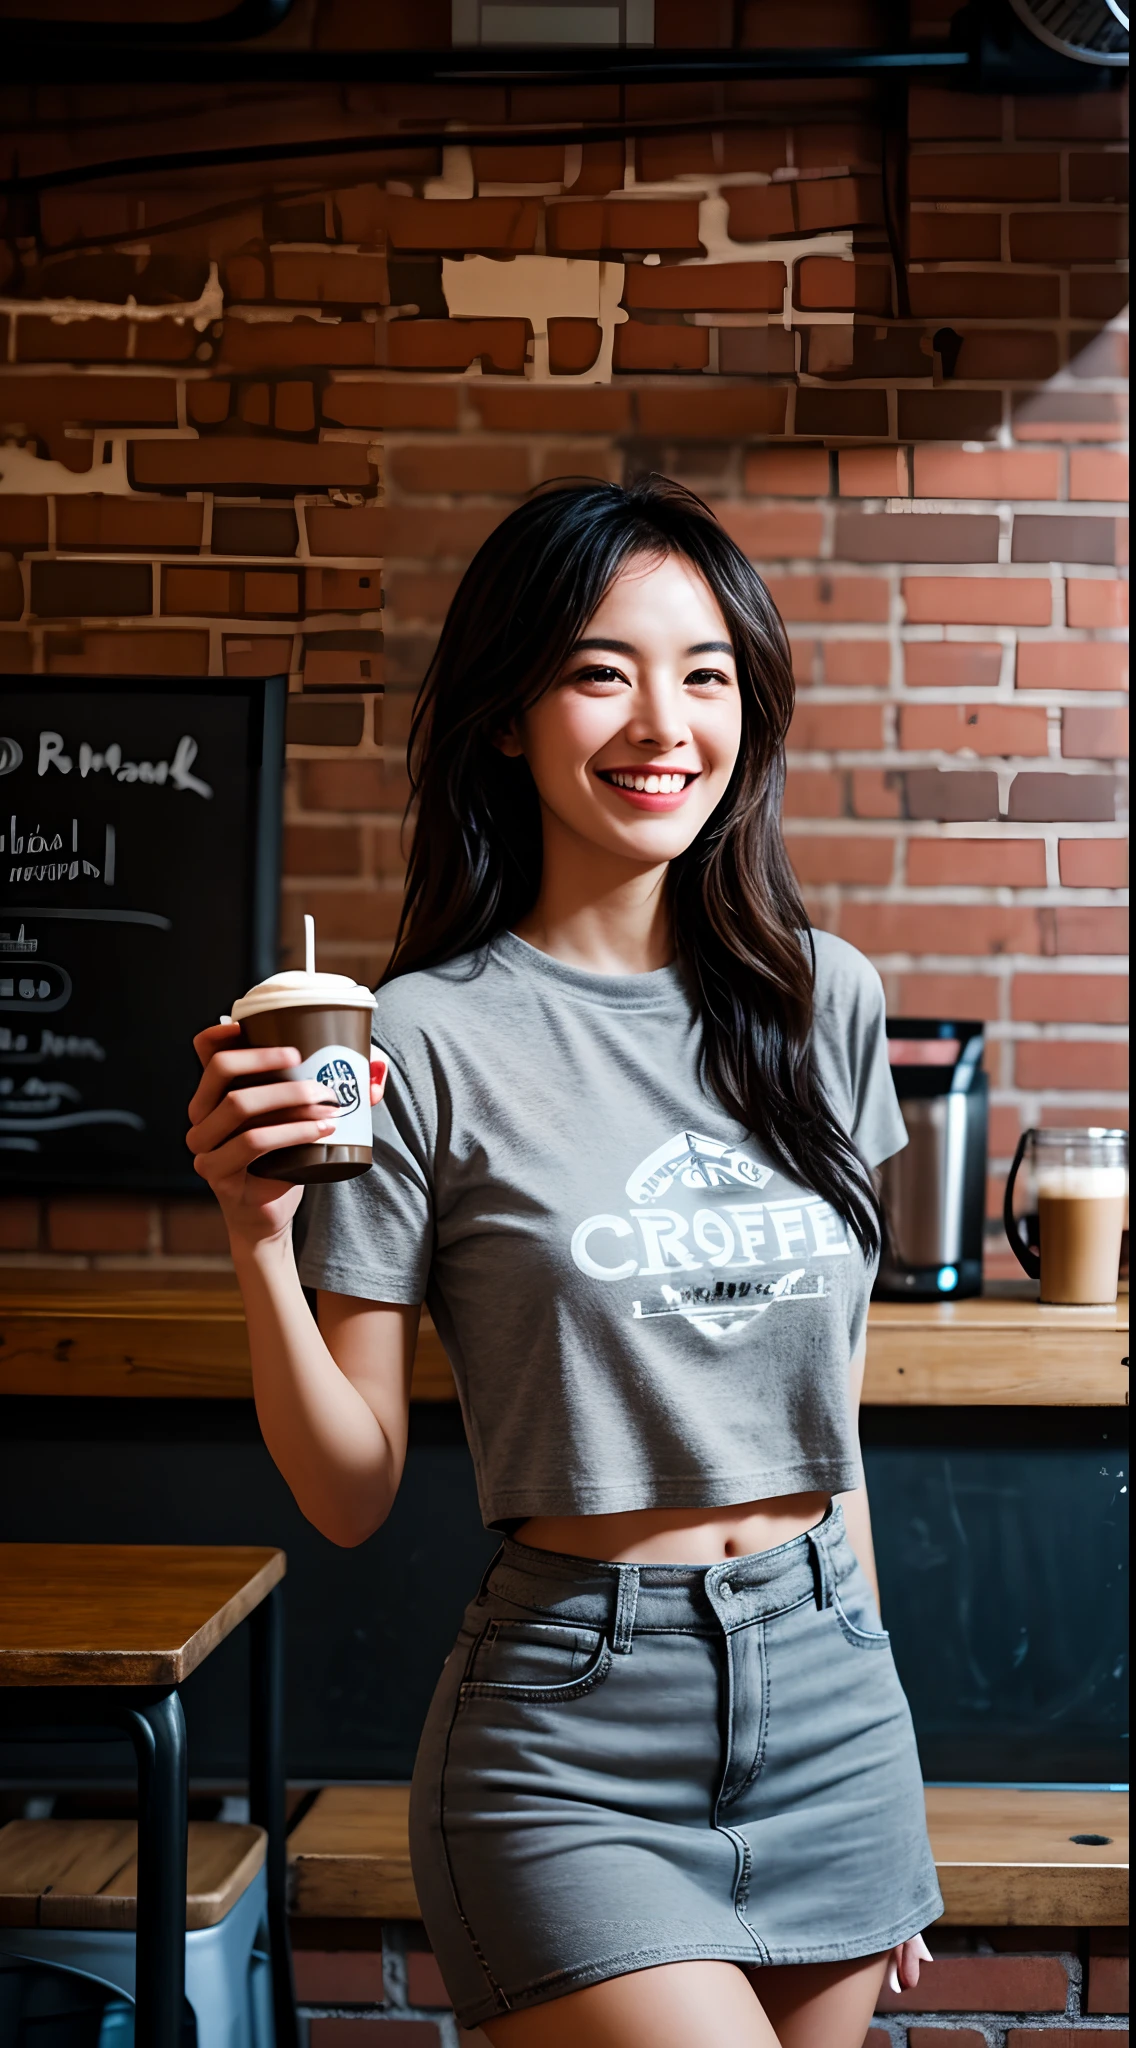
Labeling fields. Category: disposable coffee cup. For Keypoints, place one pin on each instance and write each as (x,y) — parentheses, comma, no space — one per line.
(328,1018)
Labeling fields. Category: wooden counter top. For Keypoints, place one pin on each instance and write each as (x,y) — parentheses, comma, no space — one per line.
(183,1334)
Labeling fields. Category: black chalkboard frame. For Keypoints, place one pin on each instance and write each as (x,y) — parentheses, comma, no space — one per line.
(259,885)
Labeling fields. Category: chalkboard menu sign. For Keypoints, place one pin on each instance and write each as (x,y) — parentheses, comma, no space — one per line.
(139,870)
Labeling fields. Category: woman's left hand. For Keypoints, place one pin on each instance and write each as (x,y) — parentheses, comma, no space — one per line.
(904,1961)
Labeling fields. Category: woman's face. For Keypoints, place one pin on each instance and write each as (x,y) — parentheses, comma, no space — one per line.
(634,744)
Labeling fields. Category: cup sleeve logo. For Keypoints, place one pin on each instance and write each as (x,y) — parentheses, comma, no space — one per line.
(338,1077)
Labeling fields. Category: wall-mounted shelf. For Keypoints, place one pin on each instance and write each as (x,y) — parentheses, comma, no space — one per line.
(115,1334)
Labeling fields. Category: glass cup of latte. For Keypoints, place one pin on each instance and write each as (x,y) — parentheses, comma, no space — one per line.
(1066,1212)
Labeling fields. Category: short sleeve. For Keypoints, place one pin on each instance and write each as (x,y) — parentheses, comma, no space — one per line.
(373,1237)
(878,1128)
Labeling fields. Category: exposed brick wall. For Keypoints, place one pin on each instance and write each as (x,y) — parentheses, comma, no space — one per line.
(284,452)
(999,1989)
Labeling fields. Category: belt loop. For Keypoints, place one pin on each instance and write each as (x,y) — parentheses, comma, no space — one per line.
(626,1601)
(822,1565)
(483,1589)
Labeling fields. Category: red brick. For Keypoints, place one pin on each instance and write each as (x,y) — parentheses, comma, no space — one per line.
(1083,1116)
(322,850)
(542,411)
(759,212)
(967,930)
(1092,117)
(786,472)
(705,287)
(1072,665)
(976,863)
(730,410)
(825,203)
(208,404)
(194,1230)
(937,113)
(295,410)
(366,785)
(331,278)
(571,459)
(1044,798)
(41,339)
(198,591)
(876,2038)
(272,593)
(1093,294)
(826,144)
(1005,1130)
(983,729)
(960,995)
(297,344)
(848,858)
(1062,415)
(573,346)
(16,654)
(1095,602)
(984,295)
(948,2037)
(873,472)
(1103,175)
(983,176)
(955,237)
(916,537)
(1097,473)
(660,346)
(977,600)
(463,225)
(103,1223)
(1094,733)
(105,523)
(1067,237)
(224,463)
(813,793)
(1108,1973)
(1059,2037)
(1093,863)
(875,793)
(342,914)
(23,521)
(1042,1063)
(831,284)
(841,413)
(858,664)
(413,594)
(836,727)
(949,415)
(424,1984)
(1014,356)
(348,529)
(460,466)
(951,664)
(142,653)
(605,228)
(339,1977)
(1095,929)
(1072,537)
(263,656)
(777,534)
(959,796)
(993,473)
(19,1223)
(254,404)
(850,599)
(391,405)
(499,345)
(1069,998)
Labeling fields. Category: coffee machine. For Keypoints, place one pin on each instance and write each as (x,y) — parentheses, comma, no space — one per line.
(934,1191)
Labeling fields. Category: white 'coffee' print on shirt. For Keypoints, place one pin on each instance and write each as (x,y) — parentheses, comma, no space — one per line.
(733,1237)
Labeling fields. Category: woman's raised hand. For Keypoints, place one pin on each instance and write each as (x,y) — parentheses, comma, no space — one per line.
(226,1137)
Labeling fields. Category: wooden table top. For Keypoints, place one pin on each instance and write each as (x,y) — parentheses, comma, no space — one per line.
(183,1334)
(123,1613)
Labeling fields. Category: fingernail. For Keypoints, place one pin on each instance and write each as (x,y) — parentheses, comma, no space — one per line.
(327,1123)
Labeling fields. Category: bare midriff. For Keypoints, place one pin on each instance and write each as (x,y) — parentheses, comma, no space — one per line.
(678,1535)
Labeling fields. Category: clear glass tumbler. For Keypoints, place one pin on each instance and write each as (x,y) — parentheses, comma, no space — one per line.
(1066,1212)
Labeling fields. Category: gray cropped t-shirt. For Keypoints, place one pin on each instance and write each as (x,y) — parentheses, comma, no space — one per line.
(639,1308)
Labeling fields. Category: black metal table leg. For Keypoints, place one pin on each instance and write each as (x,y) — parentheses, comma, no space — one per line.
(266,1795)
(157,1730)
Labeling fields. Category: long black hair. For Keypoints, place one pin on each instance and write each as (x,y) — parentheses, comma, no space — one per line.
(742,934)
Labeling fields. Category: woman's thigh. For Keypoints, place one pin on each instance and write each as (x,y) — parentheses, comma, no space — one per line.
(820,2005)
(674,2005)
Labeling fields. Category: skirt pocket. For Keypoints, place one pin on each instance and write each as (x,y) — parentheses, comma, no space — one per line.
(535,1660)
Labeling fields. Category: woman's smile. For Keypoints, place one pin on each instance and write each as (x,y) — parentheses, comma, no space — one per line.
(649,788)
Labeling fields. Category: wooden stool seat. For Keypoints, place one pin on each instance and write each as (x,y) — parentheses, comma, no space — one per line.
(84,1873)
(1005,1858)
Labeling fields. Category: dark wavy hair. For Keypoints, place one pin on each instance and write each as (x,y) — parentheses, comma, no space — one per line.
(742,934)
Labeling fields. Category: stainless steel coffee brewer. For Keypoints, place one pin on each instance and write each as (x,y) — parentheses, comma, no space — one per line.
(934,1191)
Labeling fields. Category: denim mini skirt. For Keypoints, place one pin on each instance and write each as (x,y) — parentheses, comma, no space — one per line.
(628,1765)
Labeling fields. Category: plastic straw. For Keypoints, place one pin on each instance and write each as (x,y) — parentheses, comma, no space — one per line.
(309,945)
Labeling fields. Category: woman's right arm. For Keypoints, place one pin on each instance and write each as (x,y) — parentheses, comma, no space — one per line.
(333,1398)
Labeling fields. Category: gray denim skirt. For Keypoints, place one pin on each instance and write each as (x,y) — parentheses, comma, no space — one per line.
(627,1765)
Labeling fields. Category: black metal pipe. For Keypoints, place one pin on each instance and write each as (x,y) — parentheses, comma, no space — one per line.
(267,1796)
(157,1731)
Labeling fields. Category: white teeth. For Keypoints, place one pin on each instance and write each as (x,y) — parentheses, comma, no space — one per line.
(653,783)
(650,785)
